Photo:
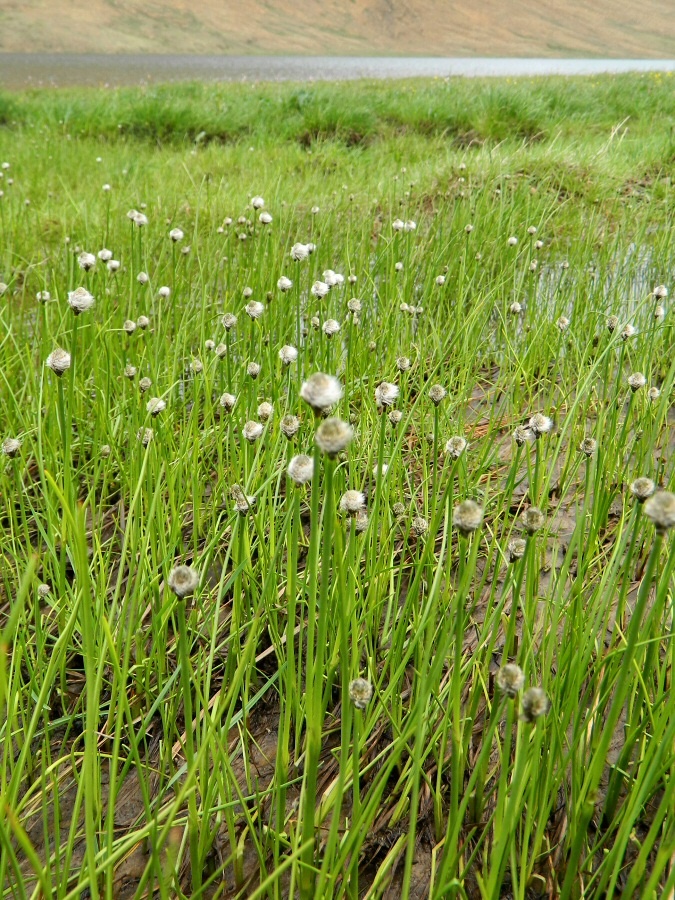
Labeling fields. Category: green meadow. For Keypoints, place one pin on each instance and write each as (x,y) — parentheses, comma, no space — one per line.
(335,490)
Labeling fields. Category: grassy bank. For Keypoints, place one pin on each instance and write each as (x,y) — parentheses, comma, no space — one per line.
(215,741)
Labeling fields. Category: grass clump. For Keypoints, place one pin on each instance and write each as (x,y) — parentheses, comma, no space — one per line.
(335,527)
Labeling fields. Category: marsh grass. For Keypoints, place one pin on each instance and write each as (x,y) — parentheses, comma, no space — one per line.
(209,747)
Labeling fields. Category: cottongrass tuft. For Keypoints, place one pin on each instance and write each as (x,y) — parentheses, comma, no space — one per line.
(467,517)
(352,501)
(534,704)
(252,431)
(183,581)
(145,436)
(58,361)
(437,393)
(386,394)
(321,391)
(636,381)
(333,436)
(11,447)
(510,680)
(319,289)
(654,394)
(86,261)
(642,488)
(419,526)
(515,549)
(360,692)
(660,509)
(540,424)
(254,309)
(456,446)
(265,411)
(288,354)
(289,426)
(301,469)
(523,435)
(403,363)
(533,520)
(227,401)
(144,384)
(242,503)
(130,372)
(395,416)
(229,320)
(155,406)
(284,284)
(588,446)
(253,369)
(143,322)
(80,300)
(300,252)
(331,327)
(129,326)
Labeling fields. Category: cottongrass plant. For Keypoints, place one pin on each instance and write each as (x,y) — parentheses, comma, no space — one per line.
(387,612)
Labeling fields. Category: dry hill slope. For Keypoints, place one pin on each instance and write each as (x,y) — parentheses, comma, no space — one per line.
(615,28)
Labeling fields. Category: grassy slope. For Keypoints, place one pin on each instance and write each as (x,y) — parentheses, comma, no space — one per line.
(612,28)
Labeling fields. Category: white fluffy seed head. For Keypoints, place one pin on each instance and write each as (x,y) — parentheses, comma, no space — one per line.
(386,394)
(183,581)
(11,447)
(467,517)
(534,704)
(284,284)
(437,393)
(319,289)
(155,406)
(360,692)
(516,549)
(252,431)
(540,424)
(636,381)
(533,519)
(265,411)
(456,446)
(660,508)
(331,327)
(254,309)
(80,300)
(642,488)
(253,369)
(510,679)
(288,354)
(300,252)
(86,261)
(129,326)
(58,361)
(227,401)
(176,234)
(301,469)
(333,436)
(321,391)
(289,426)
(352,502)
(229,320)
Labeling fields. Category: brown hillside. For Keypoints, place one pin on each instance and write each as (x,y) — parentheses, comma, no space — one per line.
(615,28)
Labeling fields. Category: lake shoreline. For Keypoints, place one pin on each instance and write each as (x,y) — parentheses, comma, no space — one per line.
(20,71)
